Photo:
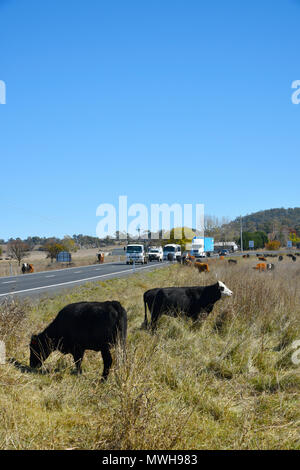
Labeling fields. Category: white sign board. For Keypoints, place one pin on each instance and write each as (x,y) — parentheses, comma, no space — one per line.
(289,244)
(251,244)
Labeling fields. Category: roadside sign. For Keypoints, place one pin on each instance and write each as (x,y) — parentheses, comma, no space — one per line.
(251,244)
(289,244)
(64,257)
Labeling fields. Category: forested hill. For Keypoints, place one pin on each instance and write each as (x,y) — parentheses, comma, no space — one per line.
(270,220)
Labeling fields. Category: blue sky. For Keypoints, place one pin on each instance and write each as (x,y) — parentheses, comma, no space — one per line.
(163,101)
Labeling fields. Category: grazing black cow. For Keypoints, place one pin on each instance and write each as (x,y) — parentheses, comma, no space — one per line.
(280,258)
(81,326)
(191,301)
(270,266)
(232,261)
(294,258)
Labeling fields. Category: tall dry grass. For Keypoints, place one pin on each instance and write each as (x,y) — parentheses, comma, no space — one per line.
(227,382)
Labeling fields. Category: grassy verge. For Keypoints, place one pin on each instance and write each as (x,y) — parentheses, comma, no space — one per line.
(226,383)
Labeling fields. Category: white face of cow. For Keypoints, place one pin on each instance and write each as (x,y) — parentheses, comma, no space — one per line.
(224,290)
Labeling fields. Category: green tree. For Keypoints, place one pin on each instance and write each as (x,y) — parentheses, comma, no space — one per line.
(183,236)
(53,249)
(69,244)
(260,239)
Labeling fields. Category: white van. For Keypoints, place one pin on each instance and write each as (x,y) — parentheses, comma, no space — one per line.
(155,253)
(136,254)
(171,249)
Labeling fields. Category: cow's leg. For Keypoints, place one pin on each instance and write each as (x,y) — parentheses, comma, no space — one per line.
(154,318)
(107,361)
(78,354)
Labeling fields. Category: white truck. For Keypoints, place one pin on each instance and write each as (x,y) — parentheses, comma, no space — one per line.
(198,247)
(155,253)
(171,251)
(136,253)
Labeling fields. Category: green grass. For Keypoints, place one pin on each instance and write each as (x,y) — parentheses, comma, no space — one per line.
(225,383)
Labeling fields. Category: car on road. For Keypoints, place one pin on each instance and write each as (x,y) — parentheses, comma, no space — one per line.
(155,253)
(224,252)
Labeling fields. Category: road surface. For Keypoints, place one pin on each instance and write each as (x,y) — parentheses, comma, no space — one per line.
(50,282)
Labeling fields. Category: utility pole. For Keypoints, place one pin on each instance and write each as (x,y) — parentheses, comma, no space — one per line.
(241,234)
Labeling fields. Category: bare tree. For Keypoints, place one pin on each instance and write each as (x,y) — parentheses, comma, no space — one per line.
(18,250)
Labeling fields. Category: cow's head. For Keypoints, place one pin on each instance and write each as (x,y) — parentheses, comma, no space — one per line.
(39,350)
(224,290)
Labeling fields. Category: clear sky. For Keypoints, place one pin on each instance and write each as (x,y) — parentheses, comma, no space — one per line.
(164,101)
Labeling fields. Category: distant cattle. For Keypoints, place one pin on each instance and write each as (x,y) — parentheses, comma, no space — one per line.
(81,326)
(202,267)
(246,256)
(189,301)
(261,267)
(270,266)
(294,258)
(27,268)
(262,258)
(280,258)
(100,257)
(232,261)
(188,262)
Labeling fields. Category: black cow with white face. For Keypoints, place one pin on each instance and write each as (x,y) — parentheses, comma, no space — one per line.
(189,301)
(81,326)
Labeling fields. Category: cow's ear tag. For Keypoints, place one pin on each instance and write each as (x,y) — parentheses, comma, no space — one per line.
(34,340)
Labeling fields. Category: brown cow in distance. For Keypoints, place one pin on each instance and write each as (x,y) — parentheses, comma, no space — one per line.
(261,267)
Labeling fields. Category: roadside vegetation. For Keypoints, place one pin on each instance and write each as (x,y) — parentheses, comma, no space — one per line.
(226,383)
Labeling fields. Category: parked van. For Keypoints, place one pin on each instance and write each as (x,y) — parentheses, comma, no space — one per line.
(171,249)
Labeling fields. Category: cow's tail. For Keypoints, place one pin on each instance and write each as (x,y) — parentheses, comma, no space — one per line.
(145,324)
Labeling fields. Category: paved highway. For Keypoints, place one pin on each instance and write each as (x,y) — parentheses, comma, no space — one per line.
(49,282)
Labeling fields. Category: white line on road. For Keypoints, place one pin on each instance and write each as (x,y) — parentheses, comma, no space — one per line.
(78,280)
(51,275)
(7,282)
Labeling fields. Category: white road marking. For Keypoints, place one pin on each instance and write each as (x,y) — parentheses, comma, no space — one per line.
(60,270)
(51,275)
(7,282)
(78,280)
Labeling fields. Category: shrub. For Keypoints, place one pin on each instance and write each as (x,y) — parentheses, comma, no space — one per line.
(273,245)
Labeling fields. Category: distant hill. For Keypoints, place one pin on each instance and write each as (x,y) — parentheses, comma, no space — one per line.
(269,221)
